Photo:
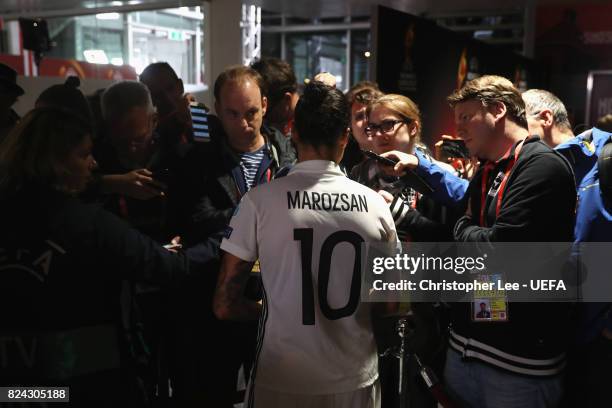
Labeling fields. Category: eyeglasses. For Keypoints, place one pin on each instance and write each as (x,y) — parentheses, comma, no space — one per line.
(386,126)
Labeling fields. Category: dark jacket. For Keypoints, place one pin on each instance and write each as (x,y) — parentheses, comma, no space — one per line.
(148,216)
(210,187)
(208,352)
(593,215)
(11,122)
(352,155)
(538,205)
(63,263)
(287,154)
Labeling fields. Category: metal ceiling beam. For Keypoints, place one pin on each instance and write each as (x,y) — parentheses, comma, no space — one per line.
(311,28)
(73,12)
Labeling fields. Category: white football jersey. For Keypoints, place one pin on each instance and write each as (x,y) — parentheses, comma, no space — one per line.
(306,229)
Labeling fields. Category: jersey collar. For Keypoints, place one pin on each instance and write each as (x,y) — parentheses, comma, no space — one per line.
(316,166)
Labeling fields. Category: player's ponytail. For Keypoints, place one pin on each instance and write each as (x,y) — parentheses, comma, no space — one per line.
(315,95)
(321,115)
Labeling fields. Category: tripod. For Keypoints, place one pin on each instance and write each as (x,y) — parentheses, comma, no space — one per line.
(426,373)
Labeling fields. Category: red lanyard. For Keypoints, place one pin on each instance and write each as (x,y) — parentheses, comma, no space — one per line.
(500,192)
(415,201)
(123,207)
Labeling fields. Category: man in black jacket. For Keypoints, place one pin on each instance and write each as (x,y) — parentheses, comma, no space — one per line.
(523,191)
(215,177)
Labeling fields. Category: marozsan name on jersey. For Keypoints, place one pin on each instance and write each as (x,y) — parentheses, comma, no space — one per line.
(311,200)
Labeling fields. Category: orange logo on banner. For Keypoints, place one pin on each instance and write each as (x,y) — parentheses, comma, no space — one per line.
(114,74)
(73,68)
(463,68)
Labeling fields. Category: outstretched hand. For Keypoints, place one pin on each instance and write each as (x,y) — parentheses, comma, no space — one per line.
(138,184)
(404,161)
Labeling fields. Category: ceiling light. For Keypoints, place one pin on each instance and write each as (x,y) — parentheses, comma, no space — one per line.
(95,56)
(107,16)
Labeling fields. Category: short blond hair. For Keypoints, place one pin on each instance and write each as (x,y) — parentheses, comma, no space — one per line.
(490,89)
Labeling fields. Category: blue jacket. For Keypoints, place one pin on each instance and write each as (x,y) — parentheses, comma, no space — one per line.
(449,189)
(593,218)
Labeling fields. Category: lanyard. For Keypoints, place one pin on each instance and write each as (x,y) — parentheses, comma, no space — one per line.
(123,207)
(415,201)
(500,192)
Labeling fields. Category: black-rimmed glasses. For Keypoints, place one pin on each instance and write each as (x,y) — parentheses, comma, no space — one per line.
(386,126)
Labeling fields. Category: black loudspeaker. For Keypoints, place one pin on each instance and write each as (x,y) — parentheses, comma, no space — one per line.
(35,36)
(604,165)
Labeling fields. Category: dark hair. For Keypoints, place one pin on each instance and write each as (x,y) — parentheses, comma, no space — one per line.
(363,92)
(322,114)
(158,67)
(605,123)
(238,74)
(491,89)
(41,140)
(278,77)
(67,96)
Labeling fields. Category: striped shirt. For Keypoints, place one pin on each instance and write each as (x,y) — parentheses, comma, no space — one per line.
(249,163)
(199,118)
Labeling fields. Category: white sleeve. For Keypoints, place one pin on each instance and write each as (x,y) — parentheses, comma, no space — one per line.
(240,236)
(388,224)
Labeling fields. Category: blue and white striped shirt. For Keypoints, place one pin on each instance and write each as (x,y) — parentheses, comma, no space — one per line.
(199,118)
(249,163)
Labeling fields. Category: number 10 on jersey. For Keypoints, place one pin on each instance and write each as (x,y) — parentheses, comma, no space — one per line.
(305,237)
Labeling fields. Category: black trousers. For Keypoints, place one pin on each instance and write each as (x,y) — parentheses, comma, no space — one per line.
(589,375)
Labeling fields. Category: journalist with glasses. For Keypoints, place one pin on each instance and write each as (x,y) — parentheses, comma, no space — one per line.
(394,124)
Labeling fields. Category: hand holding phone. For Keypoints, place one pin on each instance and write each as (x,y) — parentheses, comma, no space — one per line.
(403,165)
(380,159)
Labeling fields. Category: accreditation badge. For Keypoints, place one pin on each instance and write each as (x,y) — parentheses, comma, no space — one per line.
(496,184)
(489,305)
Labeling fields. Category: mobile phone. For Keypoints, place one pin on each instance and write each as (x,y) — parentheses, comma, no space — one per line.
(413,179)
(160,174)
(382,160)
(161,178)
(454,149)
(458,143)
